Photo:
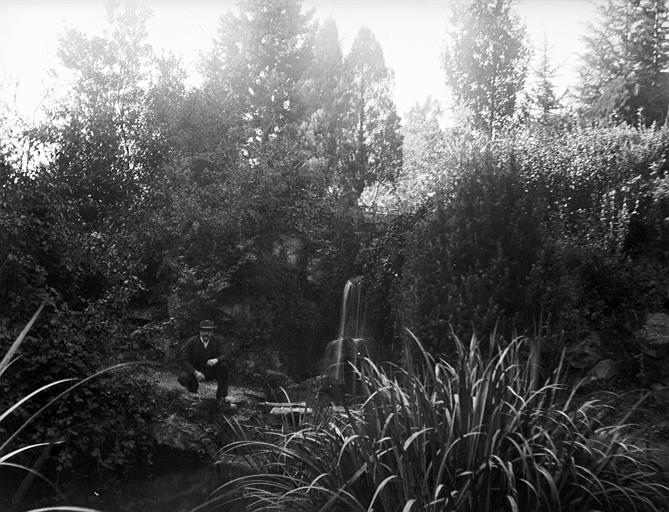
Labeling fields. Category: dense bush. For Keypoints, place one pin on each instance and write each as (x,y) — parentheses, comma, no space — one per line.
(106,422)
(480,434)
(563,229)
(88,278)
(469,257)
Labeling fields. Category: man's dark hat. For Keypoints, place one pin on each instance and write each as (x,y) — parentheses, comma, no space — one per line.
(207,324)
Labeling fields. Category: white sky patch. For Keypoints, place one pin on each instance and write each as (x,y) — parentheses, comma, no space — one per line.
(412,36)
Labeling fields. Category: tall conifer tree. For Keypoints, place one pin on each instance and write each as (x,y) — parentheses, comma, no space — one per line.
(486,60)
(260,58)
(542,98)
(374,139)
(327,100)
(624,70)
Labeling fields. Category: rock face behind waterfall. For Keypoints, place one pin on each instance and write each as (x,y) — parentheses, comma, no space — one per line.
(337,378)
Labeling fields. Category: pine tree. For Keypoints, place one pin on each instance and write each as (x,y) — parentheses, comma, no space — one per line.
(259,60)
(486,60)
(624,71)
(374,140)
(542,98)
(327,101)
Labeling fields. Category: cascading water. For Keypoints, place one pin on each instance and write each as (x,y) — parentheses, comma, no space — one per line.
(350,345)
(351,323)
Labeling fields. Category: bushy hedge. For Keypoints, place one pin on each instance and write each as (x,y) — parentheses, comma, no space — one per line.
(568,231)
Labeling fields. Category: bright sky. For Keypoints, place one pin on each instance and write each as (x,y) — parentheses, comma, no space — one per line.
(411,33)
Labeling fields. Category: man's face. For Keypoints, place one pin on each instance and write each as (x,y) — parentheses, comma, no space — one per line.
(205,334)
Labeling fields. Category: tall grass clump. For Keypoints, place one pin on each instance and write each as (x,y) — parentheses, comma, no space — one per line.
(481,434)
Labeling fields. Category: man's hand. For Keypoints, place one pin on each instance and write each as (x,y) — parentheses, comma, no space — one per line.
(199,376)
(212,362)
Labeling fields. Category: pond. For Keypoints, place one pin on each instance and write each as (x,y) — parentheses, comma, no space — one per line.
(177,488)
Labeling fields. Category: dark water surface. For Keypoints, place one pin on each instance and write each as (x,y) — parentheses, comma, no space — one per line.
(179,490)
(171,489)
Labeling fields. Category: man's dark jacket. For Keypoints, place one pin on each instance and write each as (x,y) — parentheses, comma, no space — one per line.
(195,356)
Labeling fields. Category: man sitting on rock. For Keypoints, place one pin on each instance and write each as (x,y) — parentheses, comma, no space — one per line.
(203,358)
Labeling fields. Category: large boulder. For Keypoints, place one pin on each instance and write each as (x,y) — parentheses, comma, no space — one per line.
(656,333)
(176,434)
(585,354)
(603,371)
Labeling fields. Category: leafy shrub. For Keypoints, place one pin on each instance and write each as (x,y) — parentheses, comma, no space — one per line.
(567,229)
(583,288)
(383,262)
(481,434)
(468,259)
(14,452)
(105,422)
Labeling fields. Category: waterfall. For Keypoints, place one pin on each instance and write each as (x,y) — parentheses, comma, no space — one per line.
(352,314)
(350,345)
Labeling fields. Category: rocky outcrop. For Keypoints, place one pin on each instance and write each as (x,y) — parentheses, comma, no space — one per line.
(654,343)
(585,354)
(183,438)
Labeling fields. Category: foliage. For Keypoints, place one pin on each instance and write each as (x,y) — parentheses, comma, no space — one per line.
(105,155)
(165,196)
(255,215)
(74,190)
(468,258)
(324,132)
(383,261)
(565,228)
(374,137)
(623,75)
(218,253)
(15,458)
(64,240)
(258,60)
(480,434)
(486,60)
(424,148)
(101,424)
(543,102)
